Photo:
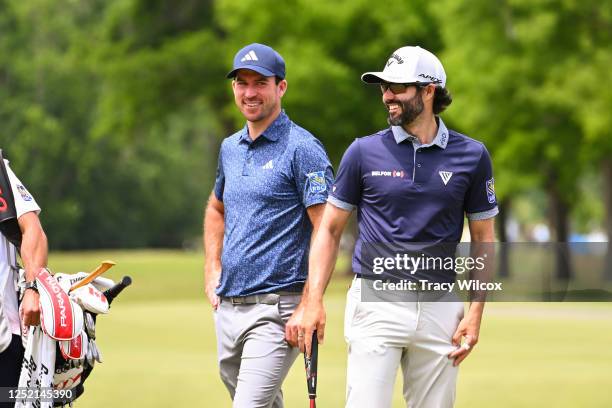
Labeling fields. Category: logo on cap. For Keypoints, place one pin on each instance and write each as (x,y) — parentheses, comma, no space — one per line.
(433,78)
(395,58)
(250,56)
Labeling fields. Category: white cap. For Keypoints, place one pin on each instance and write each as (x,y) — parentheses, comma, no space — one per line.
(409,65)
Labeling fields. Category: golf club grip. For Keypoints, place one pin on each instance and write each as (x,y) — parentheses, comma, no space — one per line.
(311,368)
(314,359)
(113,292)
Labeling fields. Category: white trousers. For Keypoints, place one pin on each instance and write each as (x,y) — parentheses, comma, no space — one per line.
(382,336)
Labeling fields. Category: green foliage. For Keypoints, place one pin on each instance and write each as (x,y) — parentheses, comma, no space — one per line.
(113,111)
(494,78)
(111,138)
(532,80)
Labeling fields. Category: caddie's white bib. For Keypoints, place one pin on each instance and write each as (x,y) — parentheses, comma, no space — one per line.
(24,202)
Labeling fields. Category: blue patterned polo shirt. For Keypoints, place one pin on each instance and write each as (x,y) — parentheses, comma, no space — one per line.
(265,186)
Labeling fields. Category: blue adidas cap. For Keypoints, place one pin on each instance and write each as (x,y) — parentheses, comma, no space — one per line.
(259,58)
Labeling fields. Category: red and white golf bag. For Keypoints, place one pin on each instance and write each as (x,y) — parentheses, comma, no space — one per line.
(61,352)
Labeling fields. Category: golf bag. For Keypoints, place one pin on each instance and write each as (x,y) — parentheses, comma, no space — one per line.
(61,353)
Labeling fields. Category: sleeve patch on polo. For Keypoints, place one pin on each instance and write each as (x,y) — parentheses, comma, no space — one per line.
(491,190)
(316,181)
(24,193)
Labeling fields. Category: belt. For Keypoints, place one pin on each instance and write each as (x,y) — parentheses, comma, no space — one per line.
(264,299)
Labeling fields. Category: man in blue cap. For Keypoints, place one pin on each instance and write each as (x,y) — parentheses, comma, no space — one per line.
(272,181)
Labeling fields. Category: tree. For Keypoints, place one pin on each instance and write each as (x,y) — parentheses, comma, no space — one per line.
(582,80)
(512,49)
(103,121)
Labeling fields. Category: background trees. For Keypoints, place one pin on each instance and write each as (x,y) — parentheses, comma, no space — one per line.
(112,111)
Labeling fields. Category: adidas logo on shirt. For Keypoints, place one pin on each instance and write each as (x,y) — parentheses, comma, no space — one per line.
(268,166)
(250,56)
(445,176)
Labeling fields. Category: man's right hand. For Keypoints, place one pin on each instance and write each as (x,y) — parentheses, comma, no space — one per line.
(30,308)
(214,225)
(313,319)
(210,287)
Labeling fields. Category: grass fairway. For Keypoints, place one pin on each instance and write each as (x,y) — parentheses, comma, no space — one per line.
(158,346)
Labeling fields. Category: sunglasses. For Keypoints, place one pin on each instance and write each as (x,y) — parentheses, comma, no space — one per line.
(399,88)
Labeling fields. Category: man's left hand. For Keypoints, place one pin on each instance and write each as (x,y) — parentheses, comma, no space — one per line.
(468,329)
(292,326)
(30,308)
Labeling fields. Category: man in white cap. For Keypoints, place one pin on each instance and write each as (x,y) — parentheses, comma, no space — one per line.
(411,184)
(20,231)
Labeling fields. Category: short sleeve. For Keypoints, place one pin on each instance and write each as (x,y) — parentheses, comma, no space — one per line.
(480,202)
(312,171)
(220,177)
(346,192)
(24,202)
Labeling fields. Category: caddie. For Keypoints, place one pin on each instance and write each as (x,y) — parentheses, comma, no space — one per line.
(412,182)
(21,232)
(273,179)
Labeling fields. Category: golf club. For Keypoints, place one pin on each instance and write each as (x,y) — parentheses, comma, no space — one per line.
(310,362)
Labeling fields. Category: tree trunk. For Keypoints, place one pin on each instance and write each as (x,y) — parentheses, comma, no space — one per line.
(504,251)
(559,220)
(607,191)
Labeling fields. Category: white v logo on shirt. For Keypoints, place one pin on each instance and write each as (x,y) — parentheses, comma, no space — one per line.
(445,176)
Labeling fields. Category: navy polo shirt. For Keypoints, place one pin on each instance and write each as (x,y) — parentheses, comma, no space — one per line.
(407,192)
(265,186)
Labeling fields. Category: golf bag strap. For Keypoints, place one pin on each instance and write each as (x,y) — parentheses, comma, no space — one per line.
(9,226)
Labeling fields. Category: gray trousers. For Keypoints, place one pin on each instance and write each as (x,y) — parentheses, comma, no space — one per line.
(254,357)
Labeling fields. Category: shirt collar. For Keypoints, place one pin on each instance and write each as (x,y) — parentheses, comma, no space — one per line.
(278,128)
(441,139)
